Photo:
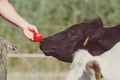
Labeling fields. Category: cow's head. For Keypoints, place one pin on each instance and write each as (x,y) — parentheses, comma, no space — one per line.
(62,45)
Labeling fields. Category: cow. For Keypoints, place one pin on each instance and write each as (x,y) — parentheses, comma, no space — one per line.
(90,35)
(103,67)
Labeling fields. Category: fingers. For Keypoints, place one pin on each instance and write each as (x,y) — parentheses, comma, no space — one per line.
(33,29)
(32,34)
(28,34)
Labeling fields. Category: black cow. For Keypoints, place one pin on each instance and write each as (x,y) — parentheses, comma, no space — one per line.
(91,36)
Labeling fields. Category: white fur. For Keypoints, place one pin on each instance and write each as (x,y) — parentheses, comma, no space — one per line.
(77,65)
(109,63)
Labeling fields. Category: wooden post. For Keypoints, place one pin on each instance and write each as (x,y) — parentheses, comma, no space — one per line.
(3,55)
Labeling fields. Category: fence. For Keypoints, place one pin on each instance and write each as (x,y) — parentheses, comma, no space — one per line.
(4,55)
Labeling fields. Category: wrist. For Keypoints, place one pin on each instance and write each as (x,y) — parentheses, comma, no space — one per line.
(24,25)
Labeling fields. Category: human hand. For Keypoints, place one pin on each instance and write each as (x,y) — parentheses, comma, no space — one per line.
(29,31)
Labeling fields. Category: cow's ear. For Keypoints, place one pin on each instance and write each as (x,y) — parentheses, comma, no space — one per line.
(97,22)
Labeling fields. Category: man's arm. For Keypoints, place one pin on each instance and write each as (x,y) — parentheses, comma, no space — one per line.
(8,12)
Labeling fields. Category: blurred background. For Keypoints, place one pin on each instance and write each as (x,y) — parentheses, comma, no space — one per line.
(50,17)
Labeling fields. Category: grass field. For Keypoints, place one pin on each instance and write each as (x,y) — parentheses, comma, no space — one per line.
(45,71)
(39,76)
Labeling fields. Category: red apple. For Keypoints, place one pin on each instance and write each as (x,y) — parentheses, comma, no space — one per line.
(37,37)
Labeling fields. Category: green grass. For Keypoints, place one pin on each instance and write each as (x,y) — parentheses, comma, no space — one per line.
(40,76)
(50,17)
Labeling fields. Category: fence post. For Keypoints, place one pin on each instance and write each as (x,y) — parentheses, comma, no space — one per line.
(3,55)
